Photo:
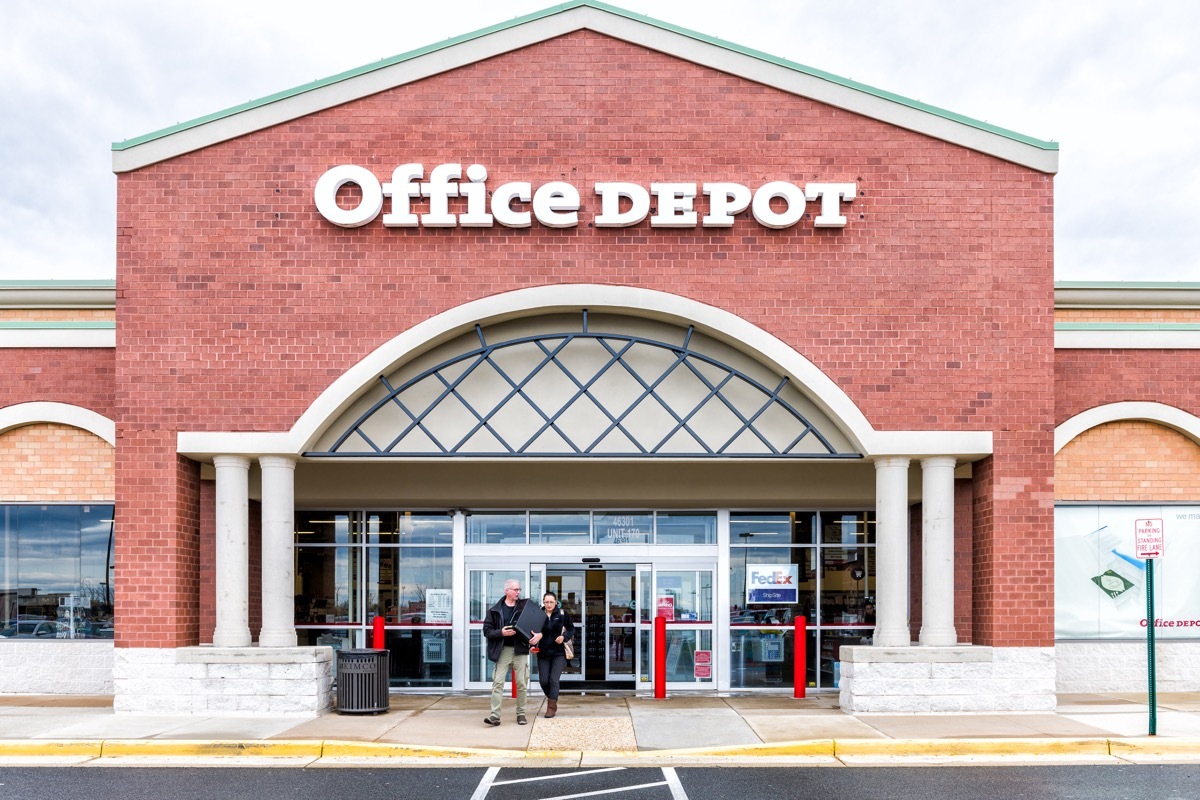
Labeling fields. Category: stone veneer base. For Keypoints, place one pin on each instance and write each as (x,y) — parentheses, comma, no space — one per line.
(946,679)
(1085,667)
(223,681)
(56,666)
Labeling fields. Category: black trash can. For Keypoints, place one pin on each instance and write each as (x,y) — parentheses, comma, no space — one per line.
(362,681)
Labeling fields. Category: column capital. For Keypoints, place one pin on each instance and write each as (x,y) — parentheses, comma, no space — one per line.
(277,462)
(231,462)
(898,462)
(933,462)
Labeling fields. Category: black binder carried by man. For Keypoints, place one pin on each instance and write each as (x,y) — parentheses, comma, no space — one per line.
(530,620)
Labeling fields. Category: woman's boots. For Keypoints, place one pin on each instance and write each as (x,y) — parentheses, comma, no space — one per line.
(551,708)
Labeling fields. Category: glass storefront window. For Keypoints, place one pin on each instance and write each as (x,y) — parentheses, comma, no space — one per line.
(328,580)
(496,528)
(847,527)
(402,581)
(56,572)
(676,527)
(559,528)
(747,608)
(419,657)
(766,659)
(847,586)
(324,527)
(772,528)
(622,527)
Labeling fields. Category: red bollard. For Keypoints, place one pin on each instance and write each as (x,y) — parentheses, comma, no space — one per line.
(800,658)
(660,658)
(514,682)
(377,633)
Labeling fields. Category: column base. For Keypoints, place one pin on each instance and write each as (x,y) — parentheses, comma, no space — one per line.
(938,637)
(281,638)
(223,681)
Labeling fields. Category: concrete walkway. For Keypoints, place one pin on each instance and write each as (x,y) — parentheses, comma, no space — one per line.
(605,728)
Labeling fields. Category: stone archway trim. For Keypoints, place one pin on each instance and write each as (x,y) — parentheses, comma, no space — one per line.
(22,414)
(1174,418)
(714,322)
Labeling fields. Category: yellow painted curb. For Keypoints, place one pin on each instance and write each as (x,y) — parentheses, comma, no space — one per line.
(1154,746)
(33,747)
(350,749)
(811,747)
(970,747)
(114,748)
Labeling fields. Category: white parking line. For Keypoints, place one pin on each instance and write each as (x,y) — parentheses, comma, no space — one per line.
(562,775)
(485,783)
(606,791)
(677,791)
(670,780)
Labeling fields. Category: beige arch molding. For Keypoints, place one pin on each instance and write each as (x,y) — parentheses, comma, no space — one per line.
(662,306)
(1174,418)
(22,414)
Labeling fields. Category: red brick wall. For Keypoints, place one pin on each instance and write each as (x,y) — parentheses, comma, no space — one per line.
(157,554)
(81,377)
(1086,379)
(932,309)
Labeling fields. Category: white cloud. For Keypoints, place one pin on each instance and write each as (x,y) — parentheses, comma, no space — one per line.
(1117,83)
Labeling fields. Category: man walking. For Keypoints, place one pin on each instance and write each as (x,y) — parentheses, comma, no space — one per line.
(508,649)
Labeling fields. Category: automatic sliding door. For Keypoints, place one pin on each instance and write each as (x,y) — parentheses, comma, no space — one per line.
(622,629)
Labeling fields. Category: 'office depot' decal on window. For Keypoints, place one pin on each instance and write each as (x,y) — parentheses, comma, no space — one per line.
(556,204)
(772,583)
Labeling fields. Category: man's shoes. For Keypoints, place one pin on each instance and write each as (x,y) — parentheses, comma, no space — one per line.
(491,721)
(520,720)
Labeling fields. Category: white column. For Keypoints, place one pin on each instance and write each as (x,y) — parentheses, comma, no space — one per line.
(233,552)
(937,552)
(278,552)
(891,552)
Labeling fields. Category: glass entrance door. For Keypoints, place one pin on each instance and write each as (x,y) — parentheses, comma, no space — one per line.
(621,628)
(602,604)
(570,586)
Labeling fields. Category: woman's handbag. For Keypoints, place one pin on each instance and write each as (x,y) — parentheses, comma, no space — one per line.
(569,649)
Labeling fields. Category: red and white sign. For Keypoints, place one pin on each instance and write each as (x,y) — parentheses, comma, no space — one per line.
(666,607)
(1148,538)
(703,657)
(702,671)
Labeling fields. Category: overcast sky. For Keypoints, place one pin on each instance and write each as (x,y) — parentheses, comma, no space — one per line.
(1115,82)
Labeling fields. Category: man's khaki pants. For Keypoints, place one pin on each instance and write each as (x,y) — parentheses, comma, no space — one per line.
(520,665)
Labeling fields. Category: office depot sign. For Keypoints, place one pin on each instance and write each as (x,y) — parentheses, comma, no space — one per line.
(556,204)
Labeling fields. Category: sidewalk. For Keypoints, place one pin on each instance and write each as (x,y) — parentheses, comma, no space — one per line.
(605,729)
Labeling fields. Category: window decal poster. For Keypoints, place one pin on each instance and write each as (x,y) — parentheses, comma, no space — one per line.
(1100,583)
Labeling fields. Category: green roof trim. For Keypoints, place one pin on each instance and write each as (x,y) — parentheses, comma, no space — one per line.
(65,325)
(558,9)
(1127,326)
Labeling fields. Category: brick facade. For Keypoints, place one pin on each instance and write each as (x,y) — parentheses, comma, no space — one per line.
(51,463)
(931,309)
(1129,462)
(1086,379)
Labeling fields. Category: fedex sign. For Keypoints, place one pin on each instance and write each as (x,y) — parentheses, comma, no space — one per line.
(772,583)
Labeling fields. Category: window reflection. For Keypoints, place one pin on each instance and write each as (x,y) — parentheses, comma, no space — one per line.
(56,572)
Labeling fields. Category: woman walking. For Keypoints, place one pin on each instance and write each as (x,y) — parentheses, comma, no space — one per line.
(551,659)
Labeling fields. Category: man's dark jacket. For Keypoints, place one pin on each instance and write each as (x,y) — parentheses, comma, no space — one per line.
(493,625)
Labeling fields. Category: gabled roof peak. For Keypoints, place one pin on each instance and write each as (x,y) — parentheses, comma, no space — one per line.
(602,18)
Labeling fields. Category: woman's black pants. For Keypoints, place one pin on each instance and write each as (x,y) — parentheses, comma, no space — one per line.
(549,671)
